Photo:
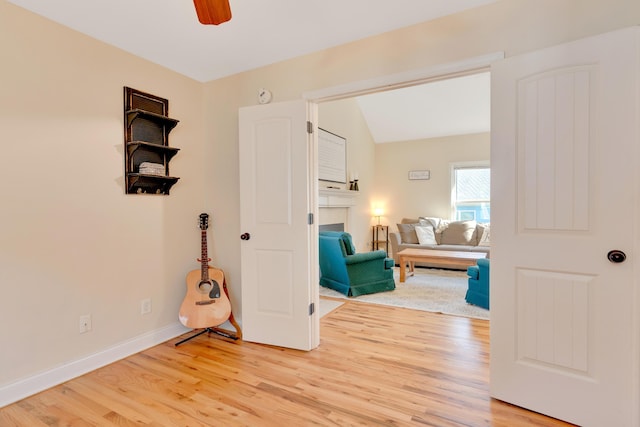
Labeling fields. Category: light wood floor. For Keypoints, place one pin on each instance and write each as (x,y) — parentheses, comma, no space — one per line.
(376,366)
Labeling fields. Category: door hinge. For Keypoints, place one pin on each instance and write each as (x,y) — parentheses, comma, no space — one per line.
(310,219)
(312,308)
(309,127)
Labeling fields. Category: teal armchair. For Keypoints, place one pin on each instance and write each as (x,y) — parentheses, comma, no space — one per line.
(349,273)
(478,284)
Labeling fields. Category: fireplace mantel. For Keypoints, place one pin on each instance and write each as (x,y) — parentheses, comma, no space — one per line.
(337,198)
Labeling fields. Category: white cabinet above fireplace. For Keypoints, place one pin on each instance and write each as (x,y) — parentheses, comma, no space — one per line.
(336,198)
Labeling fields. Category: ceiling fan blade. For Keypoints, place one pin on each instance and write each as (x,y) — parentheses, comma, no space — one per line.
(212,12)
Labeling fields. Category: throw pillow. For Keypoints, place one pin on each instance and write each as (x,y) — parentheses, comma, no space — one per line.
(409,221)
(485,238)
(459,233)
(442,225)
(433,221)
(408,233)
(426,235)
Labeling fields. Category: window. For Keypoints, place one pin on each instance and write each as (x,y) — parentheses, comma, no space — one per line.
(471,193)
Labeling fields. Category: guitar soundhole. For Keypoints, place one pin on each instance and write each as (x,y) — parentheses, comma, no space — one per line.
(205,286)
(211,287)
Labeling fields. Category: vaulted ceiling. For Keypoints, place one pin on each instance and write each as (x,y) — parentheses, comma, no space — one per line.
(457,106)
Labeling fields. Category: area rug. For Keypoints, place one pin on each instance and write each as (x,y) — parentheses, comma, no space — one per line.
(328,305)
(439,291)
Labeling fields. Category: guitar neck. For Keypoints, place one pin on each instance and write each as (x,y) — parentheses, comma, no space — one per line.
(204,260)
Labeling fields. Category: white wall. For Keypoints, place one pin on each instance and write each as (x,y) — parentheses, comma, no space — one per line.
(73,243)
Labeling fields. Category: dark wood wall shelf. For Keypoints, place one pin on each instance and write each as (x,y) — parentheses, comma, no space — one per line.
(146,136)
(169,152)
(158,118)
(141,183)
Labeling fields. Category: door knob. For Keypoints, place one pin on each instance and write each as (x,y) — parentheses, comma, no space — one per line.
(616,256)
(245,236)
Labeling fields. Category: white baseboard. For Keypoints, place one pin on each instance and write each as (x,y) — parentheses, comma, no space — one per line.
(18,390)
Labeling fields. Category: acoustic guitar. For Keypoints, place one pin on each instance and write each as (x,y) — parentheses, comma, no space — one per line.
(206,303)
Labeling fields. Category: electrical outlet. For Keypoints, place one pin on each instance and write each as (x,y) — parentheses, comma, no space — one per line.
(145,306)
(85,323)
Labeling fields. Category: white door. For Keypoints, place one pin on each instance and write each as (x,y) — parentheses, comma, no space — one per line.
(564,319)
(278,255)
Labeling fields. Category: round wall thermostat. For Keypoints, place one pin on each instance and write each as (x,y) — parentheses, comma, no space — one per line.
(264,96)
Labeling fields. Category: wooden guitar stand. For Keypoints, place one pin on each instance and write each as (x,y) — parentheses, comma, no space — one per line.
(237,335)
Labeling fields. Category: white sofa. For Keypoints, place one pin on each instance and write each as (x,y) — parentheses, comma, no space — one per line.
(441,234)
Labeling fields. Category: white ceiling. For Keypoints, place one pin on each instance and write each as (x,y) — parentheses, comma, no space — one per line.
(457,106)
(261,32)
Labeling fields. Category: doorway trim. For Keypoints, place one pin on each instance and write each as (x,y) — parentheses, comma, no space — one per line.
(405,79)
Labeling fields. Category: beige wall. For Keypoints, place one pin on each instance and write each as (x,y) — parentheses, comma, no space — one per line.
(72,243)
(404,198)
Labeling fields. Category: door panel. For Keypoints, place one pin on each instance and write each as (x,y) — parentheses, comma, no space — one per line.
(554,146)
(564,332)
(276,255)
(553,315)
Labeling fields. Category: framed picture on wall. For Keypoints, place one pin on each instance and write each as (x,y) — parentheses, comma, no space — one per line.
(419,175)
(332,157)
